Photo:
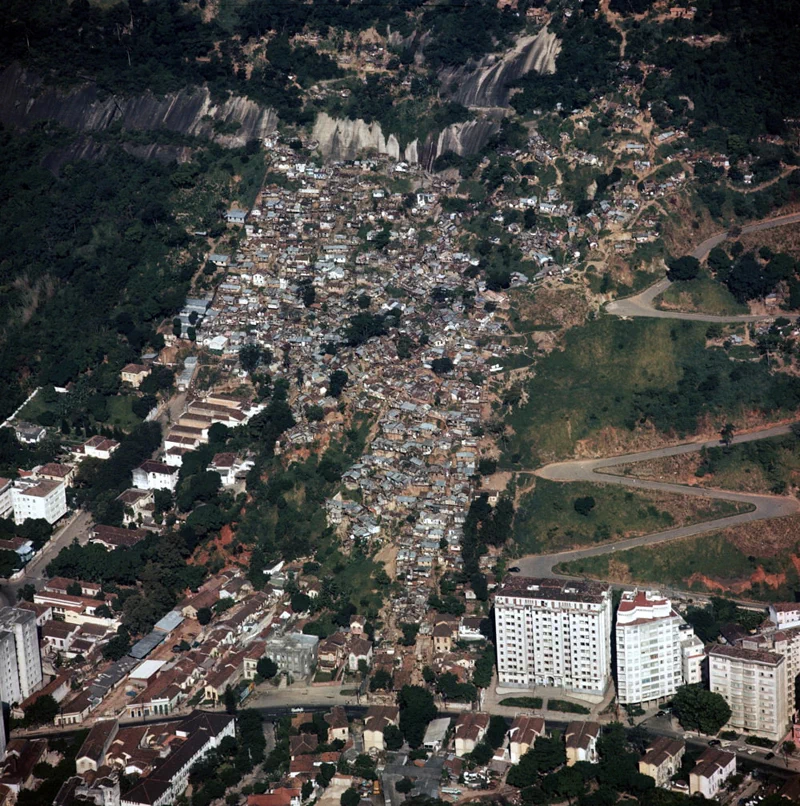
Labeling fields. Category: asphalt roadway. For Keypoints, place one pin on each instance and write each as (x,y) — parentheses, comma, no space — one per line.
(597,470)
(643,304)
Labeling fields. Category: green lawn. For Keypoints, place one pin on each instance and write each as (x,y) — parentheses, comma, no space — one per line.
(619,374)
(121,414)
(703,294)
(522,702)
(677,563)
(547,520)
(567,707)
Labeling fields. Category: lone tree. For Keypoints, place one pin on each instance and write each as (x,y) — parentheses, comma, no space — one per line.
(250,357)
(417,709)
(683,268)
(404,786)
(699,709)
(584,505)
(337,381)
(267,668)
(726,434)
(350,797)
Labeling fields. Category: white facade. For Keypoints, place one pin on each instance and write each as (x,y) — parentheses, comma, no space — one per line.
(713,769)
(20,661)
(152,475)
(753,683)
(693,656)
(649,653)
(6,499)
(39,499)
(554,633)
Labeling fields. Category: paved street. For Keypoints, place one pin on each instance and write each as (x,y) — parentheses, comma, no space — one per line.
(642,304)
(592,470)
(76,527)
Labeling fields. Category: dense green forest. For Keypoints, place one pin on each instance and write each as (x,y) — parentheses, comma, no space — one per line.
(94,258)
(743,81)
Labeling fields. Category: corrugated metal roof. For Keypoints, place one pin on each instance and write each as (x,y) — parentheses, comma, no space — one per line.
(141,649)
(169,622)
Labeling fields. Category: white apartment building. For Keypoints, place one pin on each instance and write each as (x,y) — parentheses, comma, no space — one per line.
(20,661)
(555,633)
(39,499)
(6,499)
(753,683)
(784,641)
(649,648)
(693,655)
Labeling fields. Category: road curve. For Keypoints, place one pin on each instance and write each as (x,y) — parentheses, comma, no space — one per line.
(643,304)
(597,471)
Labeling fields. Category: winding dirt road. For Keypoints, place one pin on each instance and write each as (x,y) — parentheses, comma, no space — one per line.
(642,304)
(597,470)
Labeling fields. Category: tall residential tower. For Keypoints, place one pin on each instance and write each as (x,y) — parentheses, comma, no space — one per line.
(553,632)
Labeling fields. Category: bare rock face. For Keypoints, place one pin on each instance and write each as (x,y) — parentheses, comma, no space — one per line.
(487,84)
(463,139)
(345,139)
(24,101)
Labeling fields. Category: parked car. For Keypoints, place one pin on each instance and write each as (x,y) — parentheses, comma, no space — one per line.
(515,569)
(769,756)
(714,743)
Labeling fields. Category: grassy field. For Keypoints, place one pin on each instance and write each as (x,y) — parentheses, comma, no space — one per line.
(613,374)
(547,520)
(703,294)
(709,563)
(120,411)
(121,414)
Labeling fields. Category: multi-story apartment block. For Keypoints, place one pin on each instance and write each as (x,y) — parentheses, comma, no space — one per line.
(693,656)
(42,498)
(20,661)
(648,648)
(554,632)
(753,683)
(656,650)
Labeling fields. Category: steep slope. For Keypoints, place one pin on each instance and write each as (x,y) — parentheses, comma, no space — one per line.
(24,101)
(488,84)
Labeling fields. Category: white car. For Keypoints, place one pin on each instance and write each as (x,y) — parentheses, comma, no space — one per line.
(298,710)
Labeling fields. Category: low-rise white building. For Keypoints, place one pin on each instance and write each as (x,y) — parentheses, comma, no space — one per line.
(581,742)
(42,498)
(713,768)
(151,475)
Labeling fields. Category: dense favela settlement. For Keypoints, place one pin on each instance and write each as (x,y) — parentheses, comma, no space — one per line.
(317,541)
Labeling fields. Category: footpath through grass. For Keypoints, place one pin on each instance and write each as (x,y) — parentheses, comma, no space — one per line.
(556,516)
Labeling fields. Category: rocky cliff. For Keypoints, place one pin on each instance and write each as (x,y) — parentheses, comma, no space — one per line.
(24,101)
(487,84)
(343,139)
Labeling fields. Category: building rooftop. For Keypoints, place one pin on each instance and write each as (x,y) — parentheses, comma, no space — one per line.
(751,655)
(554,589)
